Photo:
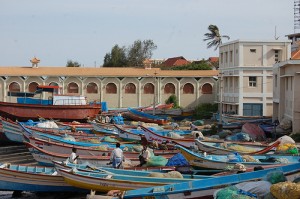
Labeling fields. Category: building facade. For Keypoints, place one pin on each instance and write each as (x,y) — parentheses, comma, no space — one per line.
(246,69)
(119,87)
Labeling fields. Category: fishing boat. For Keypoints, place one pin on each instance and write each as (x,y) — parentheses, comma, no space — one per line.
(59,107)
(129,134)
(14,177)
(44,157)
(62,148)
(254,131)
(198,160)
(144,117)
(152,136)
(225,148)
(103,128)
(112,181)
(206,187)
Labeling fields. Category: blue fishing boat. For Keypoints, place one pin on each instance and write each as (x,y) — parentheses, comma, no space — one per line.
(206,187)
(14,177)
(144,117)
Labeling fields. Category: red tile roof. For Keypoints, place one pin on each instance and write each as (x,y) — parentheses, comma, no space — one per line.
(176,61)
(213,59)
(296,54)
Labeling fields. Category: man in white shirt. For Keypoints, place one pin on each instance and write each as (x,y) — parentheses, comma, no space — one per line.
(73,157)
(144,156)
(117,156)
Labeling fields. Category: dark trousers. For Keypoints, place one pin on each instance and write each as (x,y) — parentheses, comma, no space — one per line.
(142,160)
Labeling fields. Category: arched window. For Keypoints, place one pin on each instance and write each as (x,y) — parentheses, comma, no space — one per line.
(32,87)
(14,87)
(149,88)
(130,88)
(188,89)
(206,88)
(73,88)
(92,88)
(54,84)
(169,88)
(111,88)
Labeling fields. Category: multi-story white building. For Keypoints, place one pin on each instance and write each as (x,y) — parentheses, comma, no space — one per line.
(247,72)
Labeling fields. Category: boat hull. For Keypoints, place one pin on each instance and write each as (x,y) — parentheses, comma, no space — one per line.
(23,112)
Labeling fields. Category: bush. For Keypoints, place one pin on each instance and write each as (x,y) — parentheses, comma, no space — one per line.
(205,111)
(173,99)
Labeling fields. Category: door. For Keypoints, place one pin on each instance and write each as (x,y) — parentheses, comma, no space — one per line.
(252,109)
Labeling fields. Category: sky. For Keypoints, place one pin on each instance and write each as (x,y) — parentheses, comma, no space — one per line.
(85,30)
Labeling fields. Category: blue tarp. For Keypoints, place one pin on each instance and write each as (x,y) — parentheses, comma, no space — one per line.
(177,160)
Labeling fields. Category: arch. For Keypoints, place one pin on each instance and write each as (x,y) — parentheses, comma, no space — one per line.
(111,88)
(206,88)
(169,88)
(92,88)
(32,87)
(188,88)
(14,87)
(54,84)
(130,88)
(73,88)
(149,88)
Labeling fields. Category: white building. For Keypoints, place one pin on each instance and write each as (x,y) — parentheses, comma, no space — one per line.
(247,73)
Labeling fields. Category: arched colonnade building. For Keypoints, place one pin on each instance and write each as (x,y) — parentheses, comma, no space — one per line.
(119,87)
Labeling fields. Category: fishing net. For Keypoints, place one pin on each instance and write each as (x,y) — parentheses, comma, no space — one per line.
(174,135)
(287,148)
(232,192)
(177,160)
(156,161)
(109,139)
(102,148)
(286,190)
(248,158)
(234,157)
(240,148)
(198,122)
(275,177)
(171,174)
(69,138)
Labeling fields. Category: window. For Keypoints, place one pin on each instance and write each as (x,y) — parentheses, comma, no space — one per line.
(252,81)
(73,88)
(54,84)
(92,88)
(291,83)
(275,80)
(188,89)
(169,88)
(130,88)
(14,87)
(231,56)
(253,50)
(276,54)
(221,58)
(287,83)
(149,88)
(111,88)
(206,88)
(226,57)
(32,87)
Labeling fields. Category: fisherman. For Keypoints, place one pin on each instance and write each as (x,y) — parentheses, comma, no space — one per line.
(73,157)
(144,156)
(116,157)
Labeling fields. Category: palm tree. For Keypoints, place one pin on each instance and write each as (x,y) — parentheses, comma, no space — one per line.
(214,36)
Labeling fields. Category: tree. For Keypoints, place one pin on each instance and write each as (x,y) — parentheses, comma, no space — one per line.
(116,58)
(214,36)
(139,51)
(71,63)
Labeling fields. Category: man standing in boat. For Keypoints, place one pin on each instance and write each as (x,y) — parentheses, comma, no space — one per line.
(116,156)
(73,157)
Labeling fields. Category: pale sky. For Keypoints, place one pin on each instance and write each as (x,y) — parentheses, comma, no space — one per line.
(56,31)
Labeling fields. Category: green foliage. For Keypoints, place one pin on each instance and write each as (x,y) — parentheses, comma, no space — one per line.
(134,55)
(193,66)
(205,110)
(214,36)
(116,58)
(173,99)
(71,63)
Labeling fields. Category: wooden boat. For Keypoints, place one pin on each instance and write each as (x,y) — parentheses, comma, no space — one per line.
(221,161)
(254,131)
(206,187)
(225,148)
(57,147)
(151,136)
(33,178)
(45,158)
(158,107)
(104,129)
(135,171)
(59,107)
(144,117)
(168,112)
(111,181)
(129,135)
(12,130)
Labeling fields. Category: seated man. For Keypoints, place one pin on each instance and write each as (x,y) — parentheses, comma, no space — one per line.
(144,156)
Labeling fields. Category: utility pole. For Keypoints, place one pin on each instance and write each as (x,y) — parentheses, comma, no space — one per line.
(154,96)
(220,125)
